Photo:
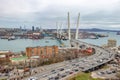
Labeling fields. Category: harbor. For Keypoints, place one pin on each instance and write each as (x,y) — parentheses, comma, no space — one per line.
(19,45)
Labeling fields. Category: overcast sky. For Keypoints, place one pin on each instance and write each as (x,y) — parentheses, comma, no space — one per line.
(45,13)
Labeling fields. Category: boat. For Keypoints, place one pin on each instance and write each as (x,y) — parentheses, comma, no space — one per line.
(11,38)
(93,37)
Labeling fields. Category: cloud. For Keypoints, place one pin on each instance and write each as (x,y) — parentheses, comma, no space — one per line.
(47,12)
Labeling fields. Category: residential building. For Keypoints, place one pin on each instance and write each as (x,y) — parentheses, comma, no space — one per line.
(42,52)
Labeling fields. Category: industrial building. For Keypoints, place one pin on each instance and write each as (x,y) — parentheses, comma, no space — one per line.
(42,52)
(112,43)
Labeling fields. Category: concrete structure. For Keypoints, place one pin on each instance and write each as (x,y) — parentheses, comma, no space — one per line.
(69,35)
(112,43)
(77,29)
(42,52)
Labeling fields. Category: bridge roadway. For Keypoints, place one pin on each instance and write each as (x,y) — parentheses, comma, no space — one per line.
(71,67)
(104,55)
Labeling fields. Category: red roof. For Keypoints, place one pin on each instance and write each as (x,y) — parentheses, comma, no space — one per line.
(89,50)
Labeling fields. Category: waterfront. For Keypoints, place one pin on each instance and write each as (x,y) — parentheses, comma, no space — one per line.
(20,44)
(103,40)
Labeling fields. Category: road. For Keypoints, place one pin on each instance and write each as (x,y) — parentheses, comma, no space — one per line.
(71,67)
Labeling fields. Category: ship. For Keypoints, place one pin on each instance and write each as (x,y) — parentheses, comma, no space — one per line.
(93,37)
(11,38)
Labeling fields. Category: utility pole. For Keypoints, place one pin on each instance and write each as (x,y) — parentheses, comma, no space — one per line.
(77,28)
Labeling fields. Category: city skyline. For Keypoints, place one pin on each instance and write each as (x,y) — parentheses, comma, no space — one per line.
(44,13)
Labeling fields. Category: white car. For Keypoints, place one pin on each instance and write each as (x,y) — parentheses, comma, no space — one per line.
(32,78)
(44,75)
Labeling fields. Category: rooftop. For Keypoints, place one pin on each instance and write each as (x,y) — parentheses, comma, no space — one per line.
(5,51)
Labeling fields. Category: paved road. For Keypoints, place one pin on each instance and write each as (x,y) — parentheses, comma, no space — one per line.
(71,67)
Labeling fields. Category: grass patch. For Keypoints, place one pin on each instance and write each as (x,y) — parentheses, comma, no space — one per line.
(19,58)
(84,76)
